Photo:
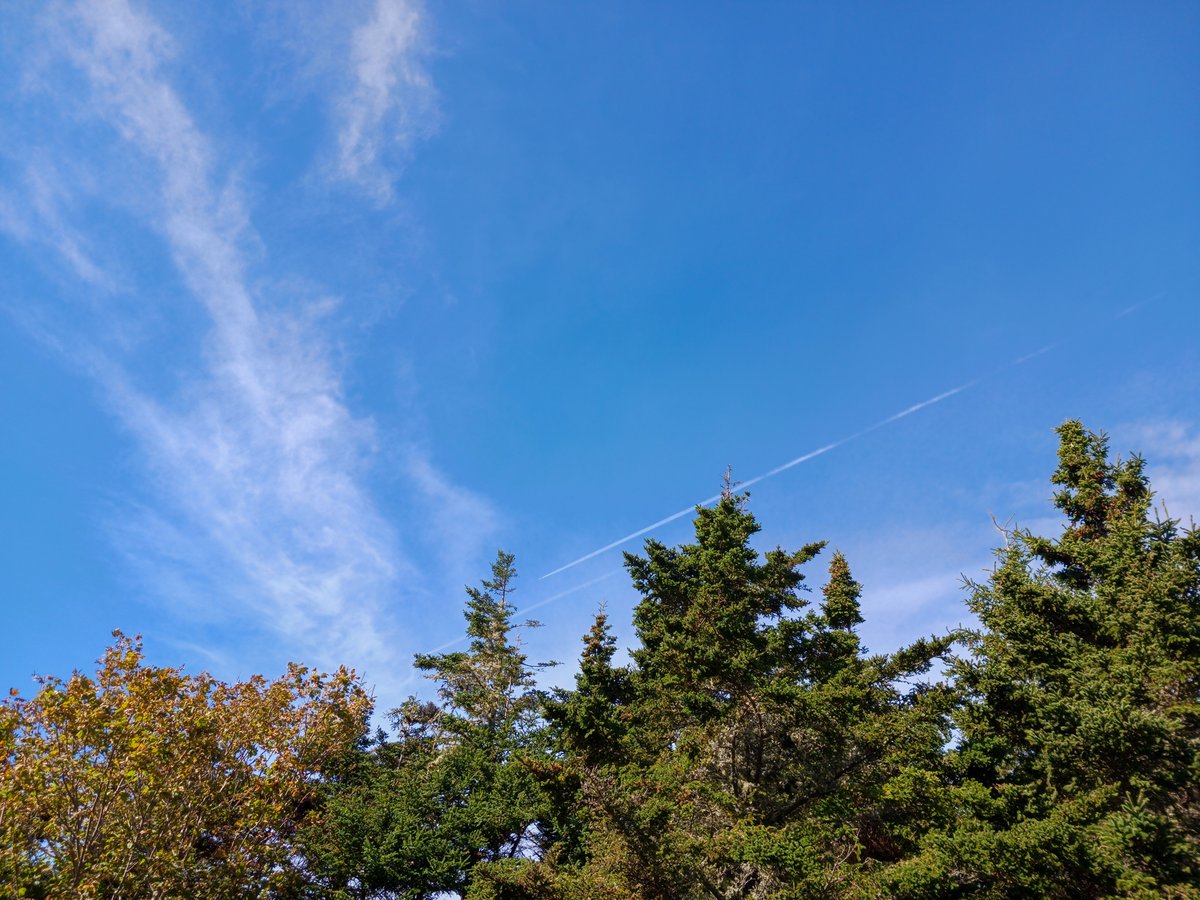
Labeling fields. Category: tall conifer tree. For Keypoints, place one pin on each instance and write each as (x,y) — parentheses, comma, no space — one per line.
(754,747)
(453,797)
(1079,770)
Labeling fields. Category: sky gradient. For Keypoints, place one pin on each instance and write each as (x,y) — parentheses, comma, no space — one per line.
(307,310)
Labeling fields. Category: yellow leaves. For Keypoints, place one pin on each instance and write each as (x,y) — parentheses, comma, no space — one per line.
(145,777)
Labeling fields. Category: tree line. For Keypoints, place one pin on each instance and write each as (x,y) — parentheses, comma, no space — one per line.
(749,748)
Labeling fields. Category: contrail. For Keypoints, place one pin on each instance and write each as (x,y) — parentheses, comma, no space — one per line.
(629,537)
(1130,310)
(544,601)
(813,454)
(568,591)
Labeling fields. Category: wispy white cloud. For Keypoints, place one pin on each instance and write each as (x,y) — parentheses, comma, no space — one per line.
(913,577)
(459,524)
(389,101)
(363,63)
(902,600)
(1172,452)
(258,454)
(259,467)
(32,212)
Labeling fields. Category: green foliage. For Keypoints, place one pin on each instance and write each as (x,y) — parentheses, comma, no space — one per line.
(487,688)
(454,793)
(750,750)
(1078,770)
(750,747)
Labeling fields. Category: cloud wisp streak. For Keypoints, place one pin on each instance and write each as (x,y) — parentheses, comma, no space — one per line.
(42,202)
(389,103)
(261,454)
(258,466)
(812,454)
(1172,452)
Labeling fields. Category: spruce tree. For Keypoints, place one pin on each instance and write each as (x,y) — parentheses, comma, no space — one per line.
(453,797)
(1079,768)
(755,751)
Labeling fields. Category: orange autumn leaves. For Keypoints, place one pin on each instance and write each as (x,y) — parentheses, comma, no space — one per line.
(145,781)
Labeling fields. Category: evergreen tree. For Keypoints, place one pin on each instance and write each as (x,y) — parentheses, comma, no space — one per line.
(1079,769)
(751,750)
(592,719)
(454,795)
(488,688)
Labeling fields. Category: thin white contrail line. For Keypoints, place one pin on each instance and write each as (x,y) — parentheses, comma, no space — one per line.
(568,591)
(539,604)
(1130,310)
(629,537)
(812,454)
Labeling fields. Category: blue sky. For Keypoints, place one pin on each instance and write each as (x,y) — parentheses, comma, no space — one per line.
(309,308)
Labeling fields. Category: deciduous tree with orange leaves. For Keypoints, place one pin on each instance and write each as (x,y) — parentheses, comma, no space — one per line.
(150,782)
